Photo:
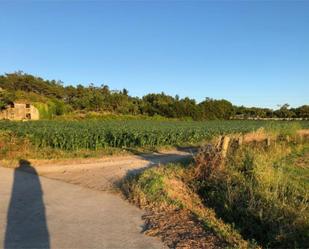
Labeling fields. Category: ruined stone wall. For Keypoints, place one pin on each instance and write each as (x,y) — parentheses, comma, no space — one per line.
(3,114)
(20,112)
(35,115)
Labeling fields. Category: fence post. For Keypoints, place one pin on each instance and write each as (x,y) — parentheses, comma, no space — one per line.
(268,141)
(225,145)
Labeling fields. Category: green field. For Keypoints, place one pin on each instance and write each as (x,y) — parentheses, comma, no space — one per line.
(93,134)
(257,196)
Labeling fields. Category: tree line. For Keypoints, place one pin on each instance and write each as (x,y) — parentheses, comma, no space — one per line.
(67,99)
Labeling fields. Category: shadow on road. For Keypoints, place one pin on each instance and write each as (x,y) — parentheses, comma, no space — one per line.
(156,157)
(155,161)
(26,220)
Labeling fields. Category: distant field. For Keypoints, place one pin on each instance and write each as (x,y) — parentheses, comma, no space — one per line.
(93,134)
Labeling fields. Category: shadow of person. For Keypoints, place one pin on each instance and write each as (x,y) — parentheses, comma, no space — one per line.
(26,221)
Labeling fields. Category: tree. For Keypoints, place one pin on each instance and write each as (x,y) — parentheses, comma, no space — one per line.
(6,98)
(216,109)
(302,111)
(125,92)
(102,99)
(284,112)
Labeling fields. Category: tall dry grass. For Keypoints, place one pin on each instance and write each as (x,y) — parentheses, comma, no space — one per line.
(254,193)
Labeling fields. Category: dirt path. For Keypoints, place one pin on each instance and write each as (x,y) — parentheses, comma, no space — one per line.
(104,174)
(36,212)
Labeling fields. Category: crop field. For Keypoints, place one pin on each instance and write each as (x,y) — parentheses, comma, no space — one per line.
(91,134)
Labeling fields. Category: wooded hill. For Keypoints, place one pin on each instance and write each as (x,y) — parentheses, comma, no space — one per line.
(53,98)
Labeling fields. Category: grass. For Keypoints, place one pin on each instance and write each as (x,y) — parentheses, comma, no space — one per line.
(257,193)
(257,196)
(296,166)
(165,188)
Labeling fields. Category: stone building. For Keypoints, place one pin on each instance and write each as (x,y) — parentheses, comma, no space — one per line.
(18,111)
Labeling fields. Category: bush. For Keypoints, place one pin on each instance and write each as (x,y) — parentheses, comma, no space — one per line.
(51,109)
(6,98)
(254,193)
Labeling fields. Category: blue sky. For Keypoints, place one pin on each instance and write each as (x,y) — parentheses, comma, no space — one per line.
(254,53)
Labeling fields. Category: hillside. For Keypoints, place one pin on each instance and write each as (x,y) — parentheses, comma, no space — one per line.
(53,99)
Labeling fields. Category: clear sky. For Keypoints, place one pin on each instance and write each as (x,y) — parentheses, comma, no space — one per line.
(254,53)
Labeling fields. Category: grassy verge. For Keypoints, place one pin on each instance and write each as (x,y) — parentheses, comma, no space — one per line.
(166,188)
(256,196)
(296,165)
(255,192)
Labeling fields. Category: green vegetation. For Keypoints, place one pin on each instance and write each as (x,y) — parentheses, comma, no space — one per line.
(94,134)
(6,98)
(166,188)
(60,100)
(257,193)
(296,165)
(258,196)
(14,148)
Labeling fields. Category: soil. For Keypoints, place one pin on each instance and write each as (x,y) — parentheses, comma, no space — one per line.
(180,229)
(303,161)
(105,174)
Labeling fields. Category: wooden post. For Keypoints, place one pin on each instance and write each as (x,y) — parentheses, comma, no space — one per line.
(240,140)
(225,145)
(268,142)
(219,143)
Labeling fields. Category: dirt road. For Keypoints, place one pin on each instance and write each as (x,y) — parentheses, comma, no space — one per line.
(36,212)
(104,174)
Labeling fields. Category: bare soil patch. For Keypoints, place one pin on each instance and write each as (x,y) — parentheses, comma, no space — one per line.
(303,132)
(256,136)
(303,162)
(180,229)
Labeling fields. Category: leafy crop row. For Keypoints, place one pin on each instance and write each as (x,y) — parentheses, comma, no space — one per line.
(92,134)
